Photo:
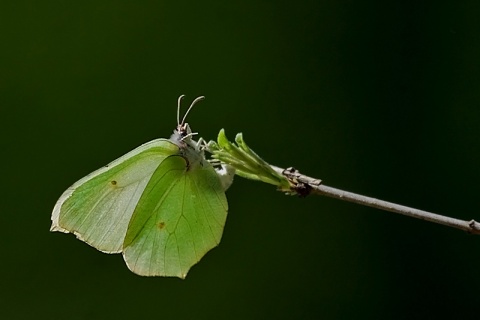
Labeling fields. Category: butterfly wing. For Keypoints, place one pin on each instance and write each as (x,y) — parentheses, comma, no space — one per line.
(98,208)
(178,219)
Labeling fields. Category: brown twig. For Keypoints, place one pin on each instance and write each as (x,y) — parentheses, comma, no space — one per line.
(305,185)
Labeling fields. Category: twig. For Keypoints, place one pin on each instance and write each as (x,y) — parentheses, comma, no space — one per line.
(314,186)
(249,165)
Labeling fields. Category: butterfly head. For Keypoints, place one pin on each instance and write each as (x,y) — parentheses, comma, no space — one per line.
(183,133)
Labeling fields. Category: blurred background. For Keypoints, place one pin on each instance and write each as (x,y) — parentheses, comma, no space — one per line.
(374,97)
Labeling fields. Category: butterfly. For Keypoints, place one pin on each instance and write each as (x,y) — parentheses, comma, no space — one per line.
(162,205)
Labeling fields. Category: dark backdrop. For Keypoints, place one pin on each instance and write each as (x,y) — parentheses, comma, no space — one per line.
(376,97)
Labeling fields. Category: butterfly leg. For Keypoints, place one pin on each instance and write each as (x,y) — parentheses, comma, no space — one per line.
(202,144)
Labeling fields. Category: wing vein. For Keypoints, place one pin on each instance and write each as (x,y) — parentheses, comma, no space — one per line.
(204,212)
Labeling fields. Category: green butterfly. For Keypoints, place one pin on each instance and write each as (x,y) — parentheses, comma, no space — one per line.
(162,205)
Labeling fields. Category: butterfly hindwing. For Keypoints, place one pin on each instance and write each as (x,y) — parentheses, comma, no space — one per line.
(178,219)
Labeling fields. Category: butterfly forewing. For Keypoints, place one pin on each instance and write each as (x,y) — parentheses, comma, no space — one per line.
(98,208)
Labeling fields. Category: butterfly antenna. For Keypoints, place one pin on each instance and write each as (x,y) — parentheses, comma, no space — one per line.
(178,108)
(189,108)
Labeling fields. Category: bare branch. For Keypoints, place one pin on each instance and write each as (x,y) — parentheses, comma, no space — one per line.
(314,186)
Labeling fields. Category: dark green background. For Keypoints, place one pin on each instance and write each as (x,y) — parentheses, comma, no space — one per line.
(376,97)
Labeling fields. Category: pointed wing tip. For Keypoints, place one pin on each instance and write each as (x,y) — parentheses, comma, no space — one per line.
(155,273)
(55,227)
(148,274)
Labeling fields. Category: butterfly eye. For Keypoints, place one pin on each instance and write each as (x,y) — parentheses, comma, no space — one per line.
(185,130)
